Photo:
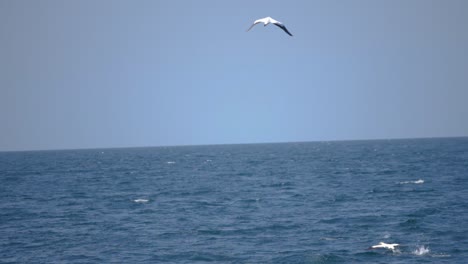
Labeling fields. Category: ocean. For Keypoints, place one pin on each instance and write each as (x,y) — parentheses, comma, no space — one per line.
(314,202)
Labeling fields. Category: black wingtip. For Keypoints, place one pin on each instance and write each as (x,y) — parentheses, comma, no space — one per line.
(283,27)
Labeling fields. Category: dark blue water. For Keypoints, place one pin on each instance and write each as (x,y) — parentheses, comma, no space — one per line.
(323,202)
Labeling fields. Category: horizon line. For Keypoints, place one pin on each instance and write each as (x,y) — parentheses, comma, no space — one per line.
(228,144)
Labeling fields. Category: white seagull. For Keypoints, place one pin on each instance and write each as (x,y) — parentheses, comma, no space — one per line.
(268,20)
(386,246)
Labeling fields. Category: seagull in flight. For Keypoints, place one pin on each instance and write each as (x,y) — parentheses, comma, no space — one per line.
(268,20)
(386,246)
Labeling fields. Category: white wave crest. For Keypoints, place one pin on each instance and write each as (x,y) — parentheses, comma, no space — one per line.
(141,200)
(420,181)
(328,238)
(422,250)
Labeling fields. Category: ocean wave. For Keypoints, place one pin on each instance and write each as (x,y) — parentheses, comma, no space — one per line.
(441,255)
(307,257)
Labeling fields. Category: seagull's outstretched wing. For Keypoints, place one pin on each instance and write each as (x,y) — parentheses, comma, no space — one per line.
(386,246)
(282,27)
(255,23)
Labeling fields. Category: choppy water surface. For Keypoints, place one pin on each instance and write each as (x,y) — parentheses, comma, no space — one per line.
(323,202)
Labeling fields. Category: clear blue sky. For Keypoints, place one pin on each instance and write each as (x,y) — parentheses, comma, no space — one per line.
(90,74)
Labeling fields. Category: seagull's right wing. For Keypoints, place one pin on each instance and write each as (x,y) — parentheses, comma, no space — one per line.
(283,28)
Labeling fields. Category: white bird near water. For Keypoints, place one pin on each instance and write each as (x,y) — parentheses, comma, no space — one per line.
(268,20)
(386,246)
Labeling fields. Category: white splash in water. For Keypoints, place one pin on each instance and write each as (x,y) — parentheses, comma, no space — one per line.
(170,162)
(422,250)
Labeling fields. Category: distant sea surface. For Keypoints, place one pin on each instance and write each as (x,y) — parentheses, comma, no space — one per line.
(318,202)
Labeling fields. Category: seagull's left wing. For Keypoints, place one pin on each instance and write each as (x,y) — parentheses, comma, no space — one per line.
(255,23)
(283,28)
